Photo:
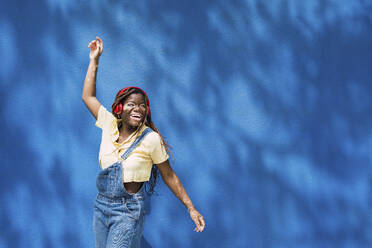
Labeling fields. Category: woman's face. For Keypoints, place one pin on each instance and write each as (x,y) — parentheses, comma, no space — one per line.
(134,110)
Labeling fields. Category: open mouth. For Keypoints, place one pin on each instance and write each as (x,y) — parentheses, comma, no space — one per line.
(136,117)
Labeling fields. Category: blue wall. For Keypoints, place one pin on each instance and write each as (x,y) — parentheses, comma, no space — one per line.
(267,106)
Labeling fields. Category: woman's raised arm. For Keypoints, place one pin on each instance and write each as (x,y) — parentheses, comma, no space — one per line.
(89,89)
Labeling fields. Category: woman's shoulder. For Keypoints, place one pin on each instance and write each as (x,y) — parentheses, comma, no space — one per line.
(105,118)
(156,148)
(105,111)
(152,137)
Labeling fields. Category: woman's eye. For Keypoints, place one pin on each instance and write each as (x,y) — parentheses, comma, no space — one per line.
(130,104)
(143,106)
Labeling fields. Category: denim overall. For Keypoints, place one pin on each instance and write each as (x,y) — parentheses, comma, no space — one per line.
(118,215)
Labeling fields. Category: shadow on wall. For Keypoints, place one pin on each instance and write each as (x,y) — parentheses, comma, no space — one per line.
(297,88)
(33,198)
(36,194)
(300,101)
(274,99)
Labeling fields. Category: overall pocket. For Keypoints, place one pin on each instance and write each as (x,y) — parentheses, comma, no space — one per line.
(105,183)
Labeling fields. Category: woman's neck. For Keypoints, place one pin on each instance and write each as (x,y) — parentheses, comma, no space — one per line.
(125,131)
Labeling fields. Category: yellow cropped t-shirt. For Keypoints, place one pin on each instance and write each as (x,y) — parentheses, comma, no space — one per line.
(137,166)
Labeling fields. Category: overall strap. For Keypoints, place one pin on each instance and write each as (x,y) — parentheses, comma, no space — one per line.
(135,143)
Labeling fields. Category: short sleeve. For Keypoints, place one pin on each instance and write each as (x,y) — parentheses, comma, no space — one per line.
(104,117)
(158,152)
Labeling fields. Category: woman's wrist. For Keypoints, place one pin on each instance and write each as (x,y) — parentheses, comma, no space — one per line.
(94,61)
(189,208)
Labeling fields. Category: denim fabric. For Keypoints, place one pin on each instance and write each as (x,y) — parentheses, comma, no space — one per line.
(119,216)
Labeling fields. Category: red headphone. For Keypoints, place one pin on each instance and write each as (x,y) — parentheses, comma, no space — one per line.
(119,107)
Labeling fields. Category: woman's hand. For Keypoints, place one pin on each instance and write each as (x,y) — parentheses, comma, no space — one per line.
(198,220)
(96,48)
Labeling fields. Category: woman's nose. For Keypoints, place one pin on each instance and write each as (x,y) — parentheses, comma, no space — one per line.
(136,108)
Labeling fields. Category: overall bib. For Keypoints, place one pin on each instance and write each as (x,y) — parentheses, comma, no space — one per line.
(118,215)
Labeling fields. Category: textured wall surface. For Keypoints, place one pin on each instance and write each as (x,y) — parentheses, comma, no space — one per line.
(267,105)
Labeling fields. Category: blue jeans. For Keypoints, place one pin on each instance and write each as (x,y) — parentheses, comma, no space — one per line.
(118,215)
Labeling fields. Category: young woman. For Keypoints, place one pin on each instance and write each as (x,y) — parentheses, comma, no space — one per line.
(130,146)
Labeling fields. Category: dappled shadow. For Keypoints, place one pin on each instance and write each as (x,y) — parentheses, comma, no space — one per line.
(266,106)
(309,90)
(36,196)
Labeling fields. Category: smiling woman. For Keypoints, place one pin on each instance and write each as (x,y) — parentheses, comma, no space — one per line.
(132,152)
(134,110)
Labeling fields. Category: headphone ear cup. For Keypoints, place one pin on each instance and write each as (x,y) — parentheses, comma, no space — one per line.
(118,108)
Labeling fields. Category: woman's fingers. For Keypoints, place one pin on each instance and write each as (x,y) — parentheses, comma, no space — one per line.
(199,226)
(92,44)
(100,44)
(198,220)
(96,47)
(99,39)
(202,223)
(96,43)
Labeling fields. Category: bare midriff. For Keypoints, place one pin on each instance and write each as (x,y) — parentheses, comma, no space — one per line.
(133,187)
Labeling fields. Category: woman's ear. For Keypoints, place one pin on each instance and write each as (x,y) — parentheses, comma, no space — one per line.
(118,108)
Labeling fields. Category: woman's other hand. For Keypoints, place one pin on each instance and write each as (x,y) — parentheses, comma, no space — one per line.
(198,220)
(96,48)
